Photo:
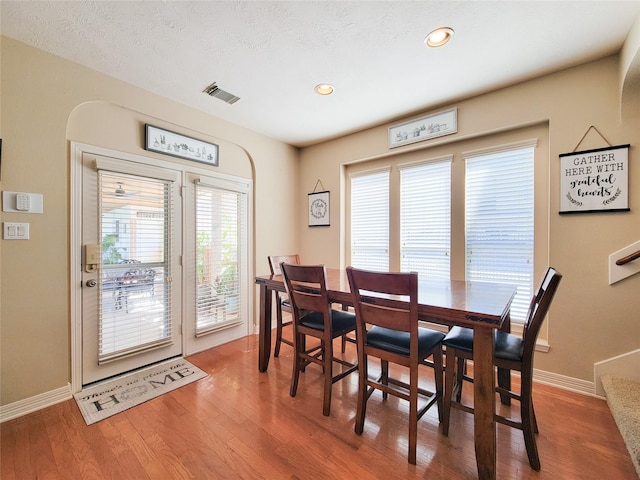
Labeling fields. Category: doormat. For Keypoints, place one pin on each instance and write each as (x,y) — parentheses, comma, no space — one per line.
(114,396)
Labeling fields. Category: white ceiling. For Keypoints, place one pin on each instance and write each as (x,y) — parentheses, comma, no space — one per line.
(271,54)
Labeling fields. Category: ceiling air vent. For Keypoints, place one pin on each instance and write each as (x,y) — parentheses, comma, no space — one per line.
(213,91)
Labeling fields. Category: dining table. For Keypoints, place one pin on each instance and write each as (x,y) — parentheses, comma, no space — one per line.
(482,306)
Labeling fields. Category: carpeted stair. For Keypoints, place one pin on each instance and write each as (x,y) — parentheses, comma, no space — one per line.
(623,397)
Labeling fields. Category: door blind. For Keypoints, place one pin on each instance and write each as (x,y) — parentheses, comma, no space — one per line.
(220,220)
(134,297)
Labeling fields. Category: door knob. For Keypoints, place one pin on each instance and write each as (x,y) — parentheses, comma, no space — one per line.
(91,282)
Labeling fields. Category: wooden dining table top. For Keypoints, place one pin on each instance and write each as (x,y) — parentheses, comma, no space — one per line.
(448,302)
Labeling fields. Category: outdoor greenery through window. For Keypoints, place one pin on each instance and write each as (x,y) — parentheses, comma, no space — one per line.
(218,216)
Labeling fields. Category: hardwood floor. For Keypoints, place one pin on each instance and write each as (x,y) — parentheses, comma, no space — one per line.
(239,423)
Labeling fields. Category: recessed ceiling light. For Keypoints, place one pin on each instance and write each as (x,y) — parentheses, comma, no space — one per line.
(439,37)
(324,89)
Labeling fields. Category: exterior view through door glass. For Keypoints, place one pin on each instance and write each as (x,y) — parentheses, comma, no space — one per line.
(128,315)
(218,219)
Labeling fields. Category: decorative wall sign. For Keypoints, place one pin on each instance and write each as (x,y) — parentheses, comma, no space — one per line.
(319,209)
(595,180)
(181,146)
(431,126)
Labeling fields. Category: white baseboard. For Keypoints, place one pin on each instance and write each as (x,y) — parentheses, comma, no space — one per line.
(33,404)
(626,365)
(577,385)
(47,399)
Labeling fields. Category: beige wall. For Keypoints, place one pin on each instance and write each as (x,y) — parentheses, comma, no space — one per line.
(589,321)
(48,102)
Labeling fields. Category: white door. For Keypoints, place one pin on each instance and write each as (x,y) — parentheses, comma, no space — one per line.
(131,273)
(216,265)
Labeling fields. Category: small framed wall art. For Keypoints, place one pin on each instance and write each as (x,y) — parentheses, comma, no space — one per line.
(595,180)
(181,146)
(431,126)
(319,209)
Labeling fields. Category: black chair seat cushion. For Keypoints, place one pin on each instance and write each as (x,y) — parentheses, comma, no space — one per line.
(398,342)
(507,347)
(340,320)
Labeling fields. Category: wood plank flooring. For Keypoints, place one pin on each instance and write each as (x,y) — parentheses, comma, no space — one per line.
(241,424)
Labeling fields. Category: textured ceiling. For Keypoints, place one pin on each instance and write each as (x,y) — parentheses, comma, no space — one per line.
(272,53)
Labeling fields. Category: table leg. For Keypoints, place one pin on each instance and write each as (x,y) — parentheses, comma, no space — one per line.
(264,338)
(485,403)
(504,374)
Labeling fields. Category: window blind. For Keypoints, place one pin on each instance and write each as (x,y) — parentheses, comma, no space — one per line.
(425,218)
(219,229)
(134,296)
(499,210)
(370,220)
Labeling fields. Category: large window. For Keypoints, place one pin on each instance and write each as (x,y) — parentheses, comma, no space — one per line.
(499,222)
(464,215)
(370,221)
(425,218)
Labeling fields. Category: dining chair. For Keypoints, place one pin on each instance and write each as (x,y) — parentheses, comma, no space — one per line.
(388,329)
(306,286)
(283,304)
(512,352)
(282,301)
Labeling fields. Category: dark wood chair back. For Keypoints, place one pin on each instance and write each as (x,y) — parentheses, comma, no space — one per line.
(282,302)
(276,260)
(386,306)
(538,308)
(306,286)
(397,314)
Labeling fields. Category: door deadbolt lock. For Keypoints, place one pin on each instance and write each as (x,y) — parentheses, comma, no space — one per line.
(91,282)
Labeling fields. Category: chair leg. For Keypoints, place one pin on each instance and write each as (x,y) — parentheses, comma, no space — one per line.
(384,376)
(461,372)
(449,376)
(298,344)
(276,350)
(302,347)
(438,374)
(529,426)
(413,414)
(328,376)
(345,308)
(361,407)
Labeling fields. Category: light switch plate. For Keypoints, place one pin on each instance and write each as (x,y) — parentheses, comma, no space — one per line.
(16,231)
